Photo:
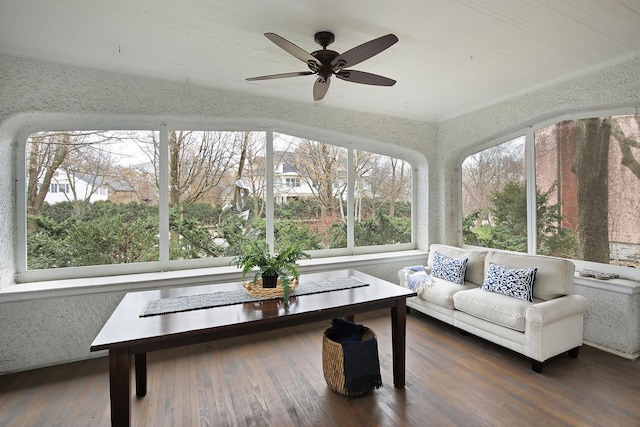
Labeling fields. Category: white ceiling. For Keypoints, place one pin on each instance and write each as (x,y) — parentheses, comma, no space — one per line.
(452,56)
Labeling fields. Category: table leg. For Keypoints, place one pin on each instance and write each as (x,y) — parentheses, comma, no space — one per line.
(120,386)
(399,340)
(141,374)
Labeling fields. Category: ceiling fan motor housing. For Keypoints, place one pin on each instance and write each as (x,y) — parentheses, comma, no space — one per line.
(325,57)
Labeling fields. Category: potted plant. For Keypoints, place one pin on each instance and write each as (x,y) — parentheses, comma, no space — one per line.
(256,253)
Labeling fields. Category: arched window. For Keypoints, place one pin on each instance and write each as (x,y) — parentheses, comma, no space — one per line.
(122,201)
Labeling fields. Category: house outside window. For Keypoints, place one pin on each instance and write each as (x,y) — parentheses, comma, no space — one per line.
(292,182)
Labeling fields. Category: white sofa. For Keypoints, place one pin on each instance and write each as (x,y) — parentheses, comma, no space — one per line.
(550,324)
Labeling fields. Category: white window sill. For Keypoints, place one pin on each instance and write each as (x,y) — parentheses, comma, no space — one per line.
(142,281)
(620,286)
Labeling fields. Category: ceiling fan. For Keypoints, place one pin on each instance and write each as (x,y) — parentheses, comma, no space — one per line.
(326,63)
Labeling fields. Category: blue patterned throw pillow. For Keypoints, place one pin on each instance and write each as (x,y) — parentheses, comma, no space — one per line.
(451,269)
(514,282)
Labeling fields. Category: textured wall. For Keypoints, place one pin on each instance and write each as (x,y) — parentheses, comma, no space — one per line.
(56,330)
(7,213)
(613,319)
(50,331)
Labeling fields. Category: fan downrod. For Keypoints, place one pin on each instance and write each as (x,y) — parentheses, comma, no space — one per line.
(324,38)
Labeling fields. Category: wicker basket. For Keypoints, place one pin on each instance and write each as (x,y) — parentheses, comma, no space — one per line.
(333,362)
(256,290)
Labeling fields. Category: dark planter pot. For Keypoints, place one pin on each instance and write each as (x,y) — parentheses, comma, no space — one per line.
(269,281)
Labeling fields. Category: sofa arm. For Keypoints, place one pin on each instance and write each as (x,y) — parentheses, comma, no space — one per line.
(556,309)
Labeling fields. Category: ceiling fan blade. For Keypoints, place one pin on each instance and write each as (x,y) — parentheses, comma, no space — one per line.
(364,78)
(281,76)
(320,88)
(291,48)
(364,51)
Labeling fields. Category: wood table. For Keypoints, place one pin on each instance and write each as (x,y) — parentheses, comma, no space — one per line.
(126,334)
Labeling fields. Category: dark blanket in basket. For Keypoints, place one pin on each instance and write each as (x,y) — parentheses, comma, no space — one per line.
(361,362)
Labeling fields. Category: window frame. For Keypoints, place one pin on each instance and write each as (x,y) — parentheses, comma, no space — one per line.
(23,275)
(530,175)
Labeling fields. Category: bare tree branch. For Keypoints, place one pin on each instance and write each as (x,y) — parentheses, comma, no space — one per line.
(625,143)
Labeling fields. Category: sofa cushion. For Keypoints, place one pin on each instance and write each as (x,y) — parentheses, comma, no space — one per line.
(496,308)
(554,277)
(441,291)
(513,282)
(475,264)
(451,269)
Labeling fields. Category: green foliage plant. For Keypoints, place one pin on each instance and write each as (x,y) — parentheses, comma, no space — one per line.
(509,228)
(255,253)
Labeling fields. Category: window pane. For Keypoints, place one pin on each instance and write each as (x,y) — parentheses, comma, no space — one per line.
(494,199)
(382,200)
(246,196)
(310,181)
(216,191)
(89,199)
(93,196)
(589,170)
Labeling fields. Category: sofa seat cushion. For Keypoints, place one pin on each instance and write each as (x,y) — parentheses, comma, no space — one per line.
(500,309)
(441,291)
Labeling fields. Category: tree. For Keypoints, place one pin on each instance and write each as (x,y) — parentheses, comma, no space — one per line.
(78,153)
(252,170)
(398,184)
(108,233)
(592,171)
(627,144)
(488,171)
(90,161)
(322,165)
(45,153)
(365,162)
(509,213)
(387,179)
(509,229)
(198,162)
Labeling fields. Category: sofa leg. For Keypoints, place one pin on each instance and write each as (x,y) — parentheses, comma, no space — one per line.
(408,309)
(573,353)
(463,333)
(536,366)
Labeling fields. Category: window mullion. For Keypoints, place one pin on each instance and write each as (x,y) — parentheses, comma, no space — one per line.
(269,191)
(350,201)
(530,159)
(163,207)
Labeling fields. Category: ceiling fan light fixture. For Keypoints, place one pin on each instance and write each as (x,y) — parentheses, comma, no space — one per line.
(326,63)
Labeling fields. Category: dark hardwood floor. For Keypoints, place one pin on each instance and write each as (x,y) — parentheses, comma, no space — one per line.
(276,379)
